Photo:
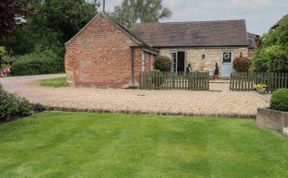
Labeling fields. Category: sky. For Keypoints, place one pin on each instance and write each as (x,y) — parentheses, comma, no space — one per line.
(260,15)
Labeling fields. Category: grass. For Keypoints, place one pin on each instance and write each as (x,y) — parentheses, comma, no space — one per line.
(54,82)
(57,144)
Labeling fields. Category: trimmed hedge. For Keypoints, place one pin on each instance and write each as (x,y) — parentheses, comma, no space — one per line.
(241,64)
(163,63)
(279,100)
(37,63)
(12,106)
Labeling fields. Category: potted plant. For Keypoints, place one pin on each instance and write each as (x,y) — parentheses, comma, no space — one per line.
(216,72)
(260,88)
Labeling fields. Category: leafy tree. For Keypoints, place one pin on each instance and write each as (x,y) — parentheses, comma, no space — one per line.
(132,11)
(273,56)
(22,41)
(55,22)
(12,12)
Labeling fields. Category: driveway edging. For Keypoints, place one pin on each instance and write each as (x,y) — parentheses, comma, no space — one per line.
(65,109)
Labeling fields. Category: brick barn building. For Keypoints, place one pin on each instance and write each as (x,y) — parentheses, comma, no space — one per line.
(105,54)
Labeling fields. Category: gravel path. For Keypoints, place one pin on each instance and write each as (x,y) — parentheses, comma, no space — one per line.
(218,101)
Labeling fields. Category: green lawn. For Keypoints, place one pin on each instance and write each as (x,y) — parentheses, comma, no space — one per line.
(54,82)
(57,144)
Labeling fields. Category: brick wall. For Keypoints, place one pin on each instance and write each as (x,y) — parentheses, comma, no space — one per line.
(101,55)
(148,65)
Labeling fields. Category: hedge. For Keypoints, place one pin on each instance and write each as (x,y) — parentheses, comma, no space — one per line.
(279,100)
(37,63)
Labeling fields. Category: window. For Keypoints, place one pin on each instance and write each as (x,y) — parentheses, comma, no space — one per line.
(174,61)
(227,57)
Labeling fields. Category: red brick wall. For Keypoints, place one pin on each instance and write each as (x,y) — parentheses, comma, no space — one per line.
(100,55)
(148,66)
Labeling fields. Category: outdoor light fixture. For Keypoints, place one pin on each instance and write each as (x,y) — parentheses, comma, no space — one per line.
(203,56)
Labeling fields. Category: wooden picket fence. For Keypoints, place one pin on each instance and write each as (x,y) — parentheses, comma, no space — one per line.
(170,81)
(245,81)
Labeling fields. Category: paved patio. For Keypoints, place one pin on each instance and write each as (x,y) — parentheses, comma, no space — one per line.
(218,101)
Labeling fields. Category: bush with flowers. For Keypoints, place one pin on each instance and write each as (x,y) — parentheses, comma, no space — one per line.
(11,106)
(4,69)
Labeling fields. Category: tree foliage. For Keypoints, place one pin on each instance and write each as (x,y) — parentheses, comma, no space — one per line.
(132,11)
(273,55)
(55,22)
(12,12)
(65,18)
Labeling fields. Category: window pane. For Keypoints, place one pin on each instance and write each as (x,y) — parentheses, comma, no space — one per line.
(174,60)
(227,57)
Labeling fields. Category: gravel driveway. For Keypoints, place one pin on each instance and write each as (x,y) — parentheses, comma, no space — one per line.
(218,101)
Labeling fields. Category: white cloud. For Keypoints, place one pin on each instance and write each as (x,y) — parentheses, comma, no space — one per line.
(252,2)
(171,3)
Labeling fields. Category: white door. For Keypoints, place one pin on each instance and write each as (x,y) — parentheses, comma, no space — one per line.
(227,64)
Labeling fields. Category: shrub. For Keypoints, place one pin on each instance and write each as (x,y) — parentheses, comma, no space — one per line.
(273,54)
(259,63)
(12,106)
(37,63)
(157,78)
(216,71)
(271,59)
(163,63)
(279,100)
(241,64)
(38,108)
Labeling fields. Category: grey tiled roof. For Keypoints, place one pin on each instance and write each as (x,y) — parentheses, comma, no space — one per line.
(252,38)
(193,34)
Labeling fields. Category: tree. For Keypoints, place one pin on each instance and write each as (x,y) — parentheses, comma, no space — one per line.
(61,20)
(144,11)
(273,55)
(12,15)
(53,23)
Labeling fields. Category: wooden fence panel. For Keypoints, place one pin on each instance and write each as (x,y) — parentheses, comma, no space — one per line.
(172,81)
(245,81)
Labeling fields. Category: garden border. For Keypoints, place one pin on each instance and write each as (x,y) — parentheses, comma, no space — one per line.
(236,116)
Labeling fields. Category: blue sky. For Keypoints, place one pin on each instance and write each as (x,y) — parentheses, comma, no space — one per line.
(260,15)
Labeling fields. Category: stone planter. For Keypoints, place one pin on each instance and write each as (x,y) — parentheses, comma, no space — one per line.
(271,119)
